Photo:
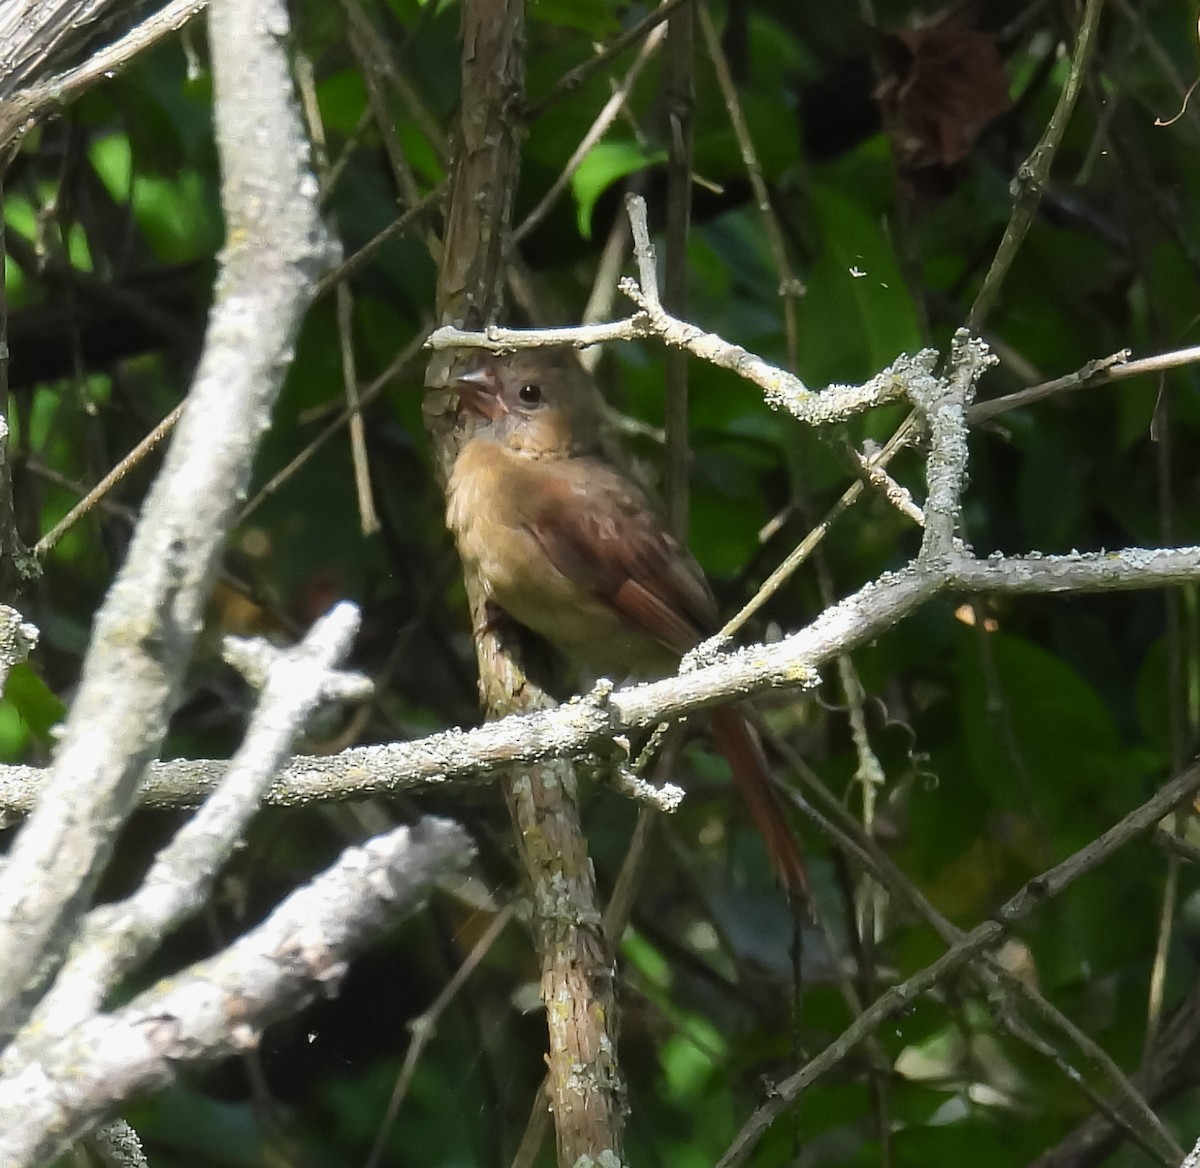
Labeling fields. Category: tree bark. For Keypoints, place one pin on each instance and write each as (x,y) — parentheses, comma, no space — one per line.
(577,974)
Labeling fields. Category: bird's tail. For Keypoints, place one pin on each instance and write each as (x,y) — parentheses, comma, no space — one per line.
(737,741)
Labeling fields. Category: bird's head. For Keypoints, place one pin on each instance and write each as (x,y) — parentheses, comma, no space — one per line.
(532,401)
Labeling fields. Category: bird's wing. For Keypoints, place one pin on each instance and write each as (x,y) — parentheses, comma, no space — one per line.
(599,530)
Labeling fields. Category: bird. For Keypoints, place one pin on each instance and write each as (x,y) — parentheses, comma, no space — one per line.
(569,546)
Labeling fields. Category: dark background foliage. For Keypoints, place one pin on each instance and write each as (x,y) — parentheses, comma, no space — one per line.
(1010,733)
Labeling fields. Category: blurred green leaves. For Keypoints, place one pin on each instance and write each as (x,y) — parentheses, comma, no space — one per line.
(605,164)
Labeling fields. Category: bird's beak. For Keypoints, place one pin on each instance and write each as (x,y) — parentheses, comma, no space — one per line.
(479,394)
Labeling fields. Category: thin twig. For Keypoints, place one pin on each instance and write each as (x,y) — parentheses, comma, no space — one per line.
(140,306)
(376,55)
(903,435)
(572,80)
(869,898)
(604,284)
(679,100)
(1116,367)
(394,229)
(790,289)
(363,44)
(368,518)
(343,159)
(1034,172)
(836,822)
(1177,844)
(534,1135)
(1181,727)
(877,477)
(406,355)
(595,133)
(424,1027)
(100,491)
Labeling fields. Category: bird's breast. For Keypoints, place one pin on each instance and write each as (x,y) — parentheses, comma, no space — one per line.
(484,513)
(490,498)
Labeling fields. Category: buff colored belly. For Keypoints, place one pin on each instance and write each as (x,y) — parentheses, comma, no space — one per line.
(484,514)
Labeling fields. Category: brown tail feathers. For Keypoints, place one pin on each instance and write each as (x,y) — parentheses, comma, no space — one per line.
(737,741)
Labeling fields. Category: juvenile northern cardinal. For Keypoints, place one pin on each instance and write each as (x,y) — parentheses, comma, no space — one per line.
(568,546)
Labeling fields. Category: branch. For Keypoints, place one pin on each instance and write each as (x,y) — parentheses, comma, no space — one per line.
(679,107)
(17,566)
(781,389)
(117,1146)
(21,109)
(1115,367)
(33,33)
(595,133)
(18,638)
(144,631)
(576,973)
(1034,172)
(943,402)
(569,82)
(589,724)
(101,490)
(220,1006)
(117,938)
(1170,1070)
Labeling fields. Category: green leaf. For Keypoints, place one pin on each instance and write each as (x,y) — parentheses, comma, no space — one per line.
(14,733)
(689,1058)
(1039,738)
(1154,697)
(39,707)
(597,20)
(646,959)
(605,163)
(857,316)
(1053,469)
(181,1121)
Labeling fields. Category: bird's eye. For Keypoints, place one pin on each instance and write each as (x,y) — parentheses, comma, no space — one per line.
(530,394)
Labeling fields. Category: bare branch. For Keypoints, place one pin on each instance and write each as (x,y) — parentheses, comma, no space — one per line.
(569,82)
(589,724)
(424,1027)
(781,389)
(1034,172)
(1129,1108)
(34,32)
(595,133)
(117,1146)
(1116,367)
(276,248)
(18,638)
(101,490)
(117,938)
(944,402)
(220,1006)
(577,981)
